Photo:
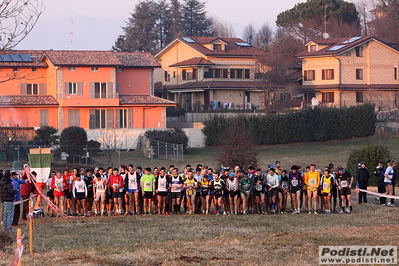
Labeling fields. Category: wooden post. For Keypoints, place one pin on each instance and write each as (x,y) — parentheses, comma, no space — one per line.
(19,242)
(30,225)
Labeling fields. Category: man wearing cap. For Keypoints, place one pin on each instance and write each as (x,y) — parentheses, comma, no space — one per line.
(362,177)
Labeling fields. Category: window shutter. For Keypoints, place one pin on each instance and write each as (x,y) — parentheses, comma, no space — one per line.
(332,73)
(42,89)
(323,74)
(110,89)
(130,118)
(70,118)
(184,74)
(92,122)
(92,95)
(117,117)
(24,88)
(305,75)
(323,97)
(247,73)
(66,88)
(195,73)
(232,73)
(225,73)
(43,117)
(165,76)
(80,88)
(118,88)
(110,118)
(332,96)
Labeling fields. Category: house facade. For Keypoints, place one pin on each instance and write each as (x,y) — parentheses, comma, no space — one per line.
(350,71)
(210,72)
(91,89)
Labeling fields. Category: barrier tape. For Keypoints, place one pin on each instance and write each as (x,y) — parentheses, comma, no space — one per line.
(17,255)
(22,201)
(379,194)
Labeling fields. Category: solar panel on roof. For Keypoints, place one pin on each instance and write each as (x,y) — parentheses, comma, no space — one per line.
(353,39)
(243,44)
(336,47)
(26,58)
(16,58)
(6,58)
(188,39)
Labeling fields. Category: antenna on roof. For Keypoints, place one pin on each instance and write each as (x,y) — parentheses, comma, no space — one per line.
(325,34)
(71,34)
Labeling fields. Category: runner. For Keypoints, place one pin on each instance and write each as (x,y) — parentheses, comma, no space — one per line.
(68,192)
(198,176)
(225,177)
(191,184)
(283,191)
(79,192)
(246,185)
(59,184)
(162,188)
(326,183)
(334,187)
(115,182)
(259,182)
(50,193)
(88,178)
(232,188)
(295,184)
(148,185)
(312,182)
(205,185)
(388,180)
(344,182)
(218,188)
(273,184)
(99,185)
(176,184)
(132,190)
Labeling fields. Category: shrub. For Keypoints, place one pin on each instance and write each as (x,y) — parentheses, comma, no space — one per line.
(175,136)
(93,147)
(73,140)
(371,154)
(46,135)
(319,124)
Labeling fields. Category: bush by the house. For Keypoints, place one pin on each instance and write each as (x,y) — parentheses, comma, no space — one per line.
(73,141)
(175,136)
(318,124)
(93,146)
(371,154)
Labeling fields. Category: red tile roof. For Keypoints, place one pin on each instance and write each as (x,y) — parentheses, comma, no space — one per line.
(34,54)
(144,99)
(83,58)
(346,46)
(27,100)
(137,59)
(195,61)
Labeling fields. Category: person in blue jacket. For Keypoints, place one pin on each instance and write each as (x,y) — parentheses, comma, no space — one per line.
(16,183)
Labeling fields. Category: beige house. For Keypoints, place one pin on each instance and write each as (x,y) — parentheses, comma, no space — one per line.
(210,73)
(350,71)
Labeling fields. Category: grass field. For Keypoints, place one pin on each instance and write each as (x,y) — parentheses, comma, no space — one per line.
(205,240)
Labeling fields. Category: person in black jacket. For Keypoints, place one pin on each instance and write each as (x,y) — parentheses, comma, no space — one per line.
(362,177)
(379,173)
(7,194)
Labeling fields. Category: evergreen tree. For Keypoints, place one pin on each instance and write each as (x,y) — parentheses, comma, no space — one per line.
(163,25)
(195,20)
(176,19)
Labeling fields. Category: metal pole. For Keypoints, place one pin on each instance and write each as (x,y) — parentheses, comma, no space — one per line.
(18,153)
(151,155)
(158,149)
(119,157)
(166,150)
(87,153)
(177,153)
(182,153)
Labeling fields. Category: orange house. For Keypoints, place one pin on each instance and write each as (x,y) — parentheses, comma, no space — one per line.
(90,89)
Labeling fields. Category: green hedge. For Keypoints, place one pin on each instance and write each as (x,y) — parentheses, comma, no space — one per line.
(319,124)
(176,136)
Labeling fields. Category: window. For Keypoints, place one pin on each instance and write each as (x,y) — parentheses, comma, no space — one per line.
(359,51)
(395,73)
(122,118)
(32,89)
(34,69)
(217,73)
(247,73)
(327,74)
(309,75)
(225,73)
(44,117)
(328,97)
(100,90)
(73,117)
(217,46)
(120,70)
(15,69)
(72,88)
(166,76)
(72,68)
(94,68)
(247,98)
(359,96)
(97,118)
(189,74)
(236,73)
(184,74)
(174,74)
(313,48)
(359,73)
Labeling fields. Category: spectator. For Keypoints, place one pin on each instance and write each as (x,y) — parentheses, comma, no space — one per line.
(362,177)
(379,173)
(26,190)
(7,194)
(17,207)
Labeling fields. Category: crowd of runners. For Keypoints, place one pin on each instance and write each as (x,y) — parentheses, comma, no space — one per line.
(201,190)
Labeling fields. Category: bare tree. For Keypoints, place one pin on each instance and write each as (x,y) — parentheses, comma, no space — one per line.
(18,17)
(363,8)
(264,37)
(111,140)
(249,34)
(223,29)
(9,138)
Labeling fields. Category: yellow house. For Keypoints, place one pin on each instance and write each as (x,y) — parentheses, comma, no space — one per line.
(210,72)
(349,71)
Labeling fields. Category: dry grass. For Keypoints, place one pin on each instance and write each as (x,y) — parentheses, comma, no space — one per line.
(205,240)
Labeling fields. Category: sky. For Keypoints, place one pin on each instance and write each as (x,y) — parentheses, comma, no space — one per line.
(97,23)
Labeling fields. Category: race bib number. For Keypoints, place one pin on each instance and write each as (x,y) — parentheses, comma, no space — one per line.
(147,184)
(312,182)
(80,188)
(344,183)
(294,182)
(284,185)
(246,186)
(162,186)
(100,186)
(325,186)
(259,187)
(132,184)
(116,186)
